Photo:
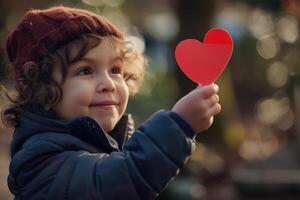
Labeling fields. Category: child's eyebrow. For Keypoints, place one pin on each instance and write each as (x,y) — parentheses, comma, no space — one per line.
(117,58)
(92,60)
(83,59)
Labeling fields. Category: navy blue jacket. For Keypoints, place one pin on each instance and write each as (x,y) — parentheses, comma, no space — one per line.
(55,159)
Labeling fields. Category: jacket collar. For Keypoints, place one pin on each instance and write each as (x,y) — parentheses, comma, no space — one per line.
(36,120)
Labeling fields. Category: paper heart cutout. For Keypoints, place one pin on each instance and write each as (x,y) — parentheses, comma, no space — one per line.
(204,62)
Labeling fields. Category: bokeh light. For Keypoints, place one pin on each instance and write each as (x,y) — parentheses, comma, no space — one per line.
(233,18)
(277,74)
(162,26)
(260,23)
(267,46)
(286,121)
(270,110)
(113,3)
(287,29)
(258,146)
(117,17)
(95,3)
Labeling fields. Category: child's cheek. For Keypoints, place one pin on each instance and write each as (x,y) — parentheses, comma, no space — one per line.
(78,96)
(85,92)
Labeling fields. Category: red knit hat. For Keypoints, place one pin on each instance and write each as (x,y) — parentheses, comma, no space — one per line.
(41,32)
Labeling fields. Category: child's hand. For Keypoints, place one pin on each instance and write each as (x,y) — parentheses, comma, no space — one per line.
(199,107)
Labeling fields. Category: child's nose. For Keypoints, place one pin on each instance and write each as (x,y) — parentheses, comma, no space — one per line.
(105,83)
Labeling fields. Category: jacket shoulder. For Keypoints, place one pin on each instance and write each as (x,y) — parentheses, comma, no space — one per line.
(48,141)
(44,146)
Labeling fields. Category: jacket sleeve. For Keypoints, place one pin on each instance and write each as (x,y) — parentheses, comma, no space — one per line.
(149,160)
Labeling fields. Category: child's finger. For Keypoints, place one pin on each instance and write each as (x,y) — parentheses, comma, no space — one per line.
(215,109)
(209,90)
(212,100)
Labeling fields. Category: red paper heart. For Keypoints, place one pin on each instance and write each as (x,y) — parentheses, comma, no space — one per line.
(204,62)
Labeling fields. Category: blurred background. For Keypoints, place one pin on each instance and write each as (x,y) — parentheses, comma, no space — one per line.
(252,151)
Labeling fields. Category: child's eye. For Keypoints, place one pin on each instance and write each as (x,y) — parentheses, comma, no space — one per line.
(84,71)
(116,70)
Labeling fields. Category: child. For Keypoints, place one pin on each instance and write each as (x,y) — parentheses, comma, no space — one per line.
(74,73)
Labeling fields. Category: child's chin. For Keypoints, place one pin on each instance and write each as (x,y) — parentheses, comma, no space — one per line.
(107,126)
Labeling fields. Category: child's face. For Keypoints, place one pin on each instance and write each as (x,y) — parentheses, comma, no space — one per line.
(95,87)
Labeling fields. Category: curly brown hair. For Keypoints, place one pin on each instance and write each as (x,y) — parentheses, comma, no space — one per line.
(37,86)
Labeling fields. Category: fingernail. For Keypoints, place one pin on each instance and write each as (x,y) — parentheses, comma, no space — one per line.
(217,97)
(216,87)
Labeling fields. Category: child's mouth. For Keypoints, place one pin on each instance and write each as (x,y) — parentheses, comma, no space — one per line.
(106,105)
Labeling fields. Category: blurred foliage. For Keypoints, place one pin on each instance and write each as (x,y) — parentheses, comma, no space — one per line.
(157,93)
(272,6)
